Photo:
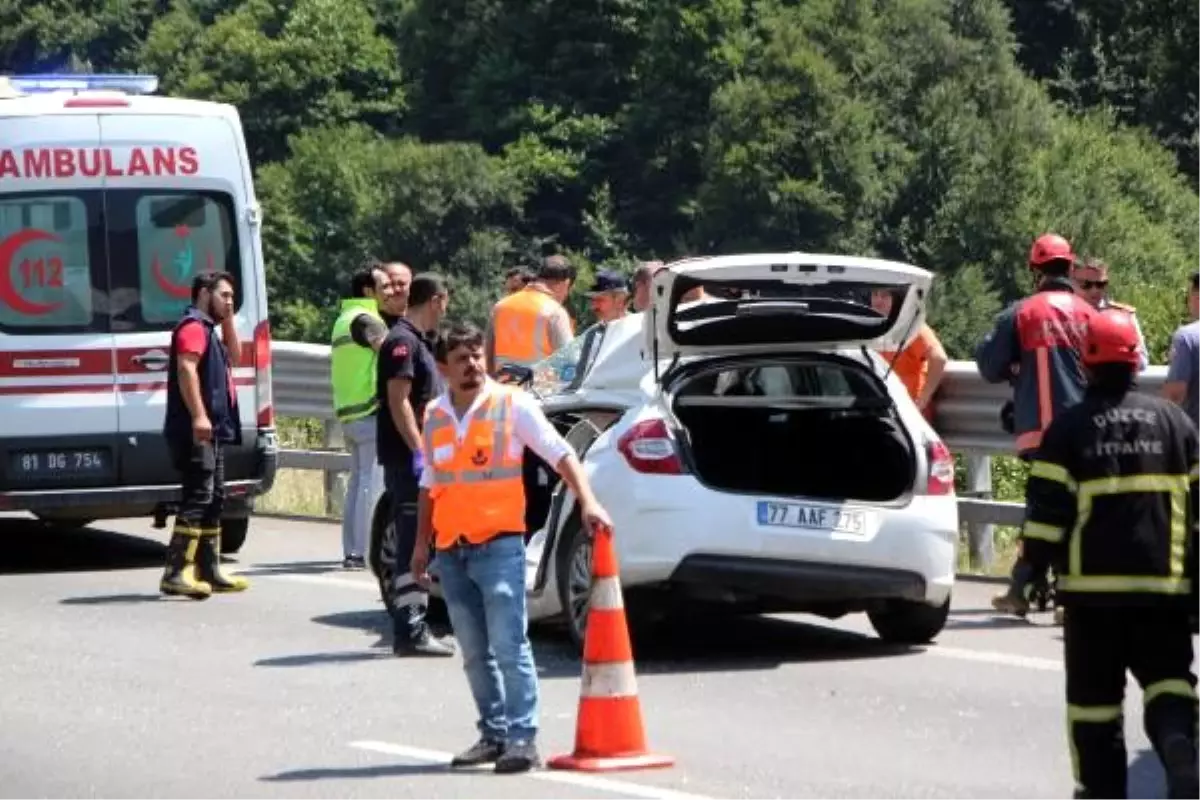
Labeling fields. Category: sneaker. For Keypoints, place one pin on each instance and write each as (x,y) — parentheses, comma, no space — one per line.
(1011,604)
(424,645)
(520,755)
(485,751)
(354,562)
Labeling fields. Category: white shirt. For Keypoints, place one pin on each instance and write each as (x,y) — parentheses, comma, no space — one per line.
(530,429)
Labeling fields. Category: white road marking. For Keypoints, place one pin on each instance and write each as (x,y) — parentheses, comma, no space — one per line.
(321,580)
(993,657)
(580,779)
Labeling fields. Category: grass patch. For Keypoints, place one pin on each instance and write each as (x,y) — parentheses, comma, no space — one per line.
(298,491)
(301,491)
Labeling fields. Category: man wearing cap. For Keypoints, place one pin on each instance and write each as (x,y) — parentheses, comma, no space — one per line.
(609,295)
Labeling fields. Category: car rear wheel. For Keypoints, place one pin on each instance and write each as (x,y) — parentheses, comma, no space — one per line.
(907,622)
(233,534)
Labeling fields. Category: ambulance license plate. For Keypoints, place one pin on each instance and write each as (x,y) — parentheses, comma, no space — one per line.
(48,464)
(852,521)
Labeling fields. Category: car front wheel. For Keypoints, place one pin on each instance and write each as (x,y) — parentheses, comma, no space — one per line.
(908,622)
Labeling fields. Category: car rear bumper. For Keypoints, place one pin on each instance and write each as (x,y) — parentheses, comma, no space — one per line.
(797,581)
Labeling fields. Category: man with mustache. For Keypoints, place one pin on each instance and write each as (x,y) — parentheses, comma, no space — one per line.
(472,510)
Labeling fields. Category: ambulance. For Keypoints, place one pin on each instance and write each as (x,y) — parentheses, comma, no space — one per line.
(111,200)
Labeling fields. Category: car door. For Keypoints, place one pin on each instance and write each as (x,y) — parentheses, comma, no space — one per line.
(57,382)
(780,303)
(186,217)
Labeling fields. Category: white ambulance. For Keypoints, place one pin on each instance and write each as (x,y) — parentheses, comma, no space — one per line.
(111,201)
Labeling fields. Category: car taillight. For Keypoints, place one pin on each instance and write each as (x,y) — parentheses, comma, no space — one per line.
(262,375)
(649,448)
(941,468)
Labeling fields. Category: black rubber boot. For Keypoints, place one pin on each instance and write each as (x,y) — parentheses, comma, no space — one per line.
(179,577)
(208,564)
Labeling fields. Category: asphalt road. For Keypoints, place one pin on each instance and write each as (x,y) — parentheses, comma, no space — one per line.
(291,690)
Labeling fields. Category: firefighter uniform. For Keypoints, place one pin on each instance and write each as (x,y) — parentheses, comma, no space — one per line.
(1112,505)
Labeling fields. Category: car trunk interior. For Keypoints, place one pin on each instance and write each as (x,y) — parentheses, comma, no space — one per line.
(813,429)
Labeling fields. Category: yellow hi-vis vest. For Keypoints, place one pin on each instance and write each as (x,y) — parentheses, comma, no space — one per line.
(353,366)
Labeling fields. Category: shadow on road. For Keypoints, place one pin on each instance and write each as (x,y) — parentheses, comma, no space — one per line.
(342,773)
(719,645)
(31,546)
(318,659)
(115,599)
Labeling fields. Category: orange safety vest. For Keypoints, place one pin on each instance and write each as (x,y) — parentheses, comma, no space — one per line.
(477,491)
(521,323)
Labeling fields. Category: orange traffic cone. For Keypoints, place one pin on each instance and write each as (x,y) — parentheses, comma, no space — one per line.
(609,734)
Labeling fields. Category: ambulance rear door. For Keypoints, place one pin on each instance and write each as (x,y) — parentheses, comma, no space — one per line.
(58,407)
(179,209)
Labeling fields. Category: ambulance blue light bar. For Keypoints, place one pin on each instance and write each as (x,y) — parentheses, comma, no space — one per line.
(38,84)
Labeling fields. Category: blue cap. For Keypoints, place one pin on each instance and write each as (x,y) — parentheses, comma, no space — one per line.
(608,281)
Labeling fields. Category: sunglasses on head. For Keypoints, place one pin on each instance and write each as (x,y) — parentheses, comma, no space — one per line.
(1093,284)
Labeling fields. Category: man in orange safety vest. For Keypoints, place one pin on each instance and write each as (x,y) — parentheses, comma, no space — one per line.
(471,508)
(531,323)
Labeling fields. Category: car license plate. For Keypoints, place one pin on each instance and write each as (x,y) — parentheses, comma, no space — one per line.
(48,464)
(851,521)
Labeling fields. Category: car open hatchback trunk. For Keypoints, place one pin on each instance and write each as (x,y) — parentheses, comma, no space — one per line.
(823,427)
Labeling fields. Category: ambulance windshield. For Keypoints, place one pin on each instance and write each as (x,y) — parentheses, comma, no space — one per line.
(62,270)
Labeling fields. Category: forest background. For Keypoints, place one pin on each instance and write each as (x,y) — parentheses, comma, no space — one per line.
(470,136)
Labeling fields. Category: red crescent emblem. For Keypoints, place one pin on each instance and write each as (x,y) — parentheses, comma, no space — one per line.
(167,286)
(8,292)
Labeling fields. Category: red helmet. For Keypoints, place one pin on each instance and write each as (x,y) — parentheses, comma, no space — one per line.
(1049,247)
(1111,339)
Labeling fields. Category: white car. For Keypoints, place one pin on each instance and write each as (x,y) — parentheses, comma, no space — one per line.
(752,450)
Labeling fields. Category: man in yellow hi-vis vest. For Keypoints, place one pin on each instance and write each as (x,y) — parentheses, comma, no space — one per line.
(530,324)
(357,333)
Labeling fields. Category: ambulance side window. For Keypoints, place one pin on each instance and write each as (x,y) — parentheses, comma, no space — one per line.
(46,281)
(179,235)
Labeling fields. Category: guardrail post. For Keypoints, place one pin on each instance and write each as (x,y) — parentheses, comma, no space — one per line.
(980,536)
(335,481)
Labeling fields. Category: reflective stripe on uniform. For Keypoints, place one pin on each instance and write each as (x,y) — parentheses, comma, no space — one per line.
(1170,686)
(1093,715)
(1039,530)
(1052,472)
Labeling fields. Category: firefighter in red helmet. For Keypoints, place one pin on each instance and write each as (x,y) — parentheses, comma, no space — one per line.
(1111,503)
(1036,345)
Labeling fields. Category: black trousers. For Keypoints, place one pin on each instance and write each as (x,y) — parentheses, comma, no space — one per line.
(202,468)
(409,600)
(1156,646)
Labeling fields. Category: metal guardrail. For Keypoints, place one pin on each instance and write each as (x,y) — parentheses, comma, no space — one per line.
(968,419)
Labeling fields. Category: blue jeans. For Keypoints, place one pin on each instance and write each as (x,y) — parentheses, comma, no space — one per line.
(484,588)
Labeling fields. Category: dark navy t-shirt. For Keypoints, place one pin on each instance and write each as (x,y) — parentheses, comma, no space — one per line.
(405,353)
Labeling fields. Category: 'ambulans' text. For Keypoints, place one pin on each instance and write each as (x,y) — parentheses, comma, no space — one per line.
(92,162)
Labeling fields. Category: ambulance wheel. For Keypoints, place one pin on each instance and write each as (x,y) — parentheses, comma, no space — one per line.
(233,534)
(908,622)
